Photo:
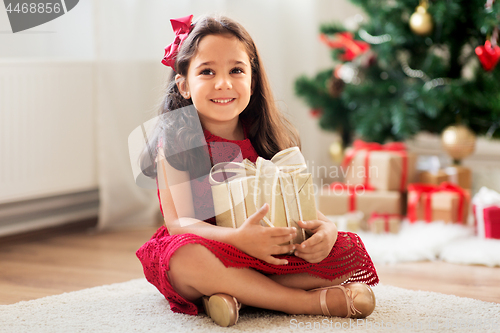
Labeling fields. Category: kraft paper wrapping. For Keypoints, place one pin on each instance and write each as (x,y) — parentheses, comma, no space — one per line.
(458,175)
(380,224)
(333,202)
(347,222)
(278,182)
(444,206)
(385,170)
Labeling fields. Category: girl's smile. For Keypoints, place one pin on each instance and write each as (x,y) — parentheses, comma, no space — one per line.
(219,82)
(223,100)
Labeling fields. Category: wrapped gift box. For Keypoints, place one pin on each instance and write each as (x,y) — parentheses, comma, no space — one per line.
(486,207)
(447,202)
(458,175)
(339,199)
(278,182)
(386,167)
(351,221)
(384,223)
(492,222)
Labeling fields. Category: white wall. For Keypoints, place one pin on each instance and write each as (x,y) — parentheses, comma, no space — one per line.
(71,36)
(125,39)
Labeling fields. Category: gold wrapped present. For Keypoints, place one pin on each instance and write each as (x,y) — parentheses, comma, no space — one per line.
(384,223)
(386,167)
(277,182)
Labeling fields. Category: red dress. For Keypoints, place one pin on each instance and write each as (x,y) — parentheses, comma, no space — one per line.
(348,255)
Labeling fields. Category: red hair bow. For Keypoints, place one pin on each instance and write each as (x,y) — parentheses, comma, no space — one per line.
(182,27)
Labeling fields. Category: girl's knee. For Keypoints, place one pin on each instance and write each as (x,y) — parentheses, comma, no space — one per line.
(191,256)
(184,269)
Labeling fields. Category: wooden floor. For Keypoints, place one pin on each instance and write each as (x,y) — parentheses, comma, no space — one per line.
(41,266)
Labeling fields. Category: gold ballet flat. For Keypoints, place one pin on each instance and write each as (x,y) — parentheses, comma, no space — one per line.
(222,308)
(359,297)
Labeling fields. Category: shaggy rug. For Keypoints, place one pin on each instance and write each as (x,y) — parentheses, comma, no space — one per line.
(472,250)
(421,241)
(136,306)
(417,241)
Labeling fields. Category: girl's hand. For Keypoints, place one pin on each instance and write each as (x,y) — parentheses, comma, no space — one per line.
(319,245)
(263,242)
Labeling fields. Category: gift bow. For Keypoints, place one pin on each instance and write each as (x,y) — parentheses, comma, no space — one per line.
(396,147)
(280,168)
(488,55)
(486,197)
(429,190)
(182,27)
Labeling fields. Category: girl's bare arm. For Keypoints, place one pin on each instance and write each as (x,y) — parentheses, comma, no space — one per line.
(177,204)
(251,238)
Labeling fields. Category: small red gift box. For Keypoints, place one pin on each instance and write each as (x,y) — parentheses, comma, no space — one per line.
(492,222)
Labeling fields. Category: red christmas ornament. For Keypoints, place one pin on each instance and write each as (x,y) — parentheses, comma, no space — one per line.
(316,113)
(488,55)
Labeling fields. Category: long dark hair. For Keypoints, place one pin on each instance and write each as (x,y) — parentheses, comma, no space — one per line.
(267,128)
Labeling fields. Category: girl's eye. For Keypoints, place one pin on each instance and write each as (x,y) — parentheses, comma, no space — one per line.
(236,70)
(207,72)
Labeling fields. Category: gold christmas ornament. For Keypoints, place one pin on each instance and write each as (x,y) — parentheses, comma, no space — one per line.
(336,152)
(421,21)
(458,141)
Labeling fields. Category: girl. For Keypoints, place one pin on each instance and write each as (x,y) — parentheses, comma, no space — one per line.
(219,74)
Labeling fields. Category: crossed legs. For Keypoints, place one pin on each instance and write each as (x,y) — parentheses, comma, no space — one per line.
(195,272)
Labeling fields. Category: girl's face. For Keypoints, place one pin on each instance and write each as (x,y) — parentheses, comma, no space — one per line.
(219,79)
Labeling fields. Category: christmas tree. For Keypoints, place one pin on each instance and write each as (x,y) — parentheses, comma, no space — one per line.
(412,66)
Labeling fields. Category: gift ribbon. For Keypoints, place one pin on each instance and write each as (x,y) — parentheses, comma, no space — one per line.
(351,191)
(280,169)
(420,189)
(395,147)
(385,217)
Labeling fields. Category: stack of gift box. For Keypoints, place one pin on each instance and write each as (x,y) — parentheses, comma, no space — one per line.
(382,182)
(376,178)
(441,194)
(379,189)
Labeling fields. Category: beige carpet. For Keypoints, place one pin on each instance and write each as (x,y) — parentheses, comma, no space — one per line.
(136,306)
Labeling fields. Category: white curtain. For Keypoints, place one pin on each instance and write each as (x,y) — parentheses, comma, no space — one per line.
(129,40)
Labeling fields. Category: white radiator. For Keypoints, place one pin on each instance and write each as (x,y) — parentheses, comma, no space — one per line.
(47,135)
